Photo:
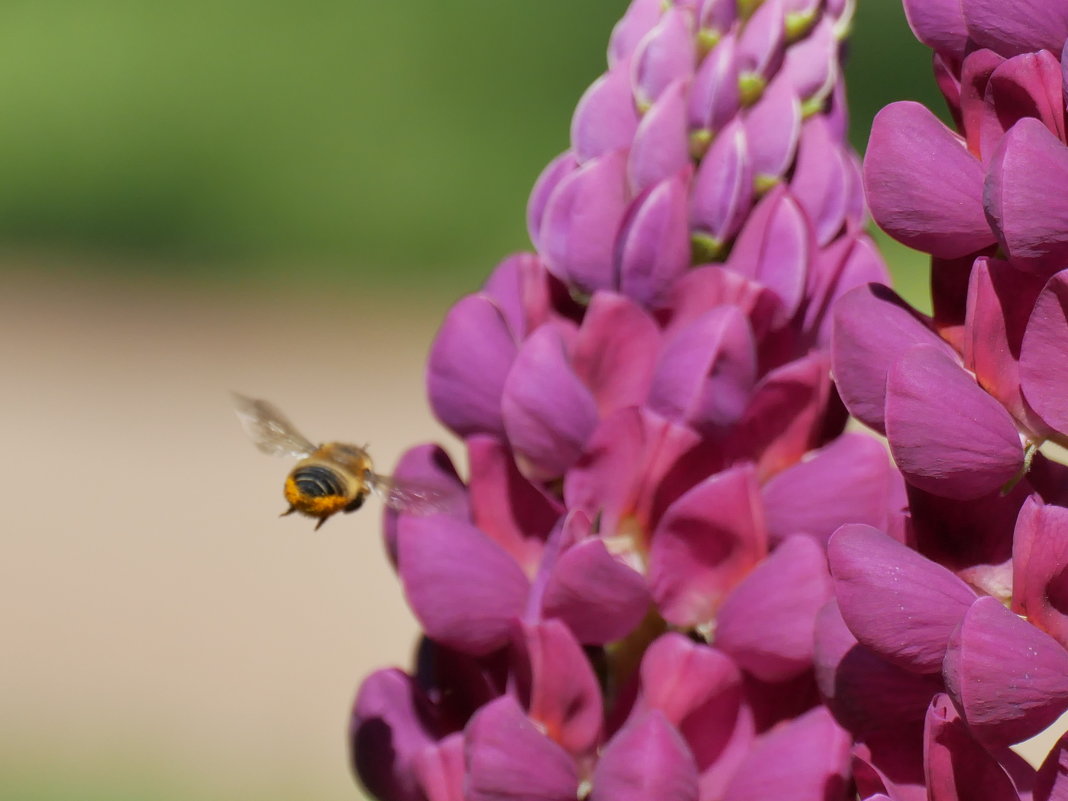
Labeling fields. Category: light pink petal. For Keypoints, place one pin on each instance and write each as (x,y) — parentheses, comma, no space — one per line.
(640,18)
(1043,366)
(849,481)
(1024,197)
(615,351)
(599,597)
(548,413)
(555,172)
(520,286)
(647,760)
(508,759)
(1009,679)
(426,466)
(807,758)
(766,623)
(469,360)
(812,63)
(440,769)
(705,543)
(947,435)
(924,188)
(661,144)
(666,54)
(1032,25)
(760,45)
(896,602)
(723,187)
(714,94)
(820,181)
(772,129)
(464,588)
(1040,567)
(939,24)
(605,118)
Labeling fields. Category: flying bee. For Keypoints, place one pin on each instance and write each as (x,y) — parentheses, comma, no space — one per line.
(330,478)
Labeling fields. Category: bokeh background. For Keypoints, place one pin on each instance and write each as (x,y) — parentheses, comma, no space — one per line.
(279,198)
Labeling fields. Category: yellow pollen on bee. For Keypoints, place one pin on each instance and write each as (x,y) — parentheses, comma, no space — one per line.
(322,506)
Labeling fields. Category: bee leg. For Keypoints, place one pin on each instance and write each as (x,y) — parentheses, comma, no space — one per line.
(288,511)
(320,523)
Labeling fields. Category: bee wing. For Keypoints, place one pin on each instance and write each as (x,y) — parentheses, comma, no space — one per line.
(269,429)
(408,496)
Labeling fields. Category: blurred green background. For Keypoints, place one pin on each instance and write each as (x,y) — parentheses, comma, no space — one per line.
(268,140)
(216,151)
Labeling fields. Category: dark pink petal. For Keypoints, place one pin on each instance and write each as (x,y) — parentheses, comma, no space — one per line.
(520,286)
(680,678)
(666,54)
(959,768)
(1043,367)
(1052,781)
(554,172)
(807,758)
(774,248)
(605,118)
(924,188)
(440,769)
(772,128)
(600,598)
(1032,25)
(1000,300)
(1028,85)
(760,45)
(464,588)
(975,72)
(706,371)
(661,144)
(723,187)
(1009,679)
(705,543)
(820,179)
(392,721)
(783,420)
(547,412)
(866,693)
(766,623)
(640,18)
(564,695)
(849,481)
(948,436)
(427,466)
(705,288)
(646,760)
(714,94)
(508,759)
(1024,197)
(514,513)
(581,219)
(1040,567)
(615,351)
(891,763)
(654,242)
(939,24)
(469,360)
(850,261)
(899,604)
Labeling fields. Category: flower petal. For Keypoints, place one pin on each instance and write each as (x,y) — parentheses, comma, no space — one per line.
(646,760)
(1033,25)
(663,56)
(427,466)
(723,187)
(440,769)
(1043,368)
(661,144)
(605,118)
(772,129)
(820,181)
(1052,781)
(939,24)
(1040,568)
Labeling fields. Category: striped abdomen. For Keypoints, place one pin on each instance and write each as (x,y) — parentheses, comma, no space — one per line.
(317,481)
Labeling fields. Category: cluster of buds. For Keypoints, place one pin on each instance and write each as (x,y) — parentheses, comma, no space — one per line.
(947,640)
(620,600)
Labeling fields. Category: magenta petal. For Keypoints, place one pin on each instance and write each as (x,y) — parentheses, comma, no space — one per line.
(812,63)
(705,543)
(1025,200)
(605,118)
(1009,679)
(706,371)
(661,145)
(440,769)
(723,186)
(469,360)
(1040,567)
(820,181)
(565,697)
(427,466)
(852,260)
(939,24)
(509,759)
(640,18)
(548,413)
(924,188)
(714,93)
(554,172)
(1032,25)
(580,221)
(679,676)
(599,597)
(807,758)
(1052,781)
(647,760)
(666,54)
(615,351)
(1043,366)
(760,44)
(849,481)
(896,602)
(1028,85)
(948,436)
(654,243)
(464,588)
(520,287)
(766,623)
(873,327)
(772,128)
(892,764)
(959,768)
(392,721)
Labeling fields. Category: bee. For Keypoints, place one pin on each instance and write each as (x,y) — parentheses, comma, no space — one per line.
(329,478)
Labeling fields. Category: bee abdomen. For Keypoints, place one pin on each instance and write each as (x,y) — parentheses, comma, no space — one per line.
(316,481)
